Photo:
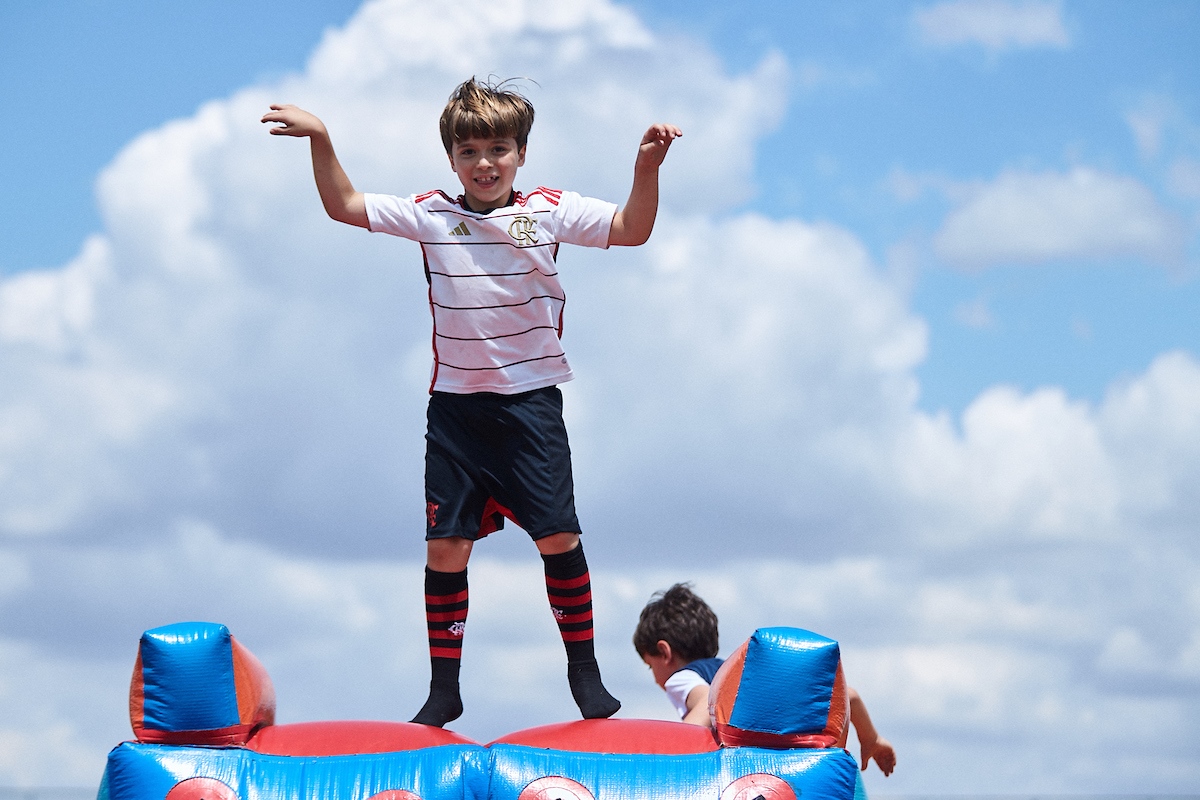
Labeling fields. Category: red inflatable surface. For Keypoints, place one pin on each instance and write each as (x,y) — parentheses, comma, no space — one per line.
(349,738)
(645,736)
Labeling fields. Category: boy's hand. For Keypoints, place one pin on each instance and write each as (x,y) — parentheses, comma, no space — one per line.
(655,144)
(882,752)
(293,121)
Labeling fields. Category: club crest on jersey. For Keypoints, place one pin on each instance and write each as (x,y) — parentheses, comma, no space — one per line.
(523,230)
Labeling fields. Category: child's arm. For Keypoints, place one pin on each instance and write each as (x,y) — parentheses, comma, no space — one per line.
(337,193)
(633,223)
(870,743)
(697,706)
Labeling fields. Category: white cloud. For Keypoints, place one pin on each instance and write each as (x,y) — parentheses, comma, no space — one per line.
(995,25)
(1025,217)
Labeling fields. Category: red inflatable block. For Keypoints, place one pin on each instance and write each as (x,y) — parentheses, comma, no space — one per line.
(629,736)
(346,738)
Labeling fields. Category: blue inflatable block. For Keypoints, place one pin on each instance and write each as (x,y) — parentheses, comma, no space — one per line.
(189,687)
(520,773)
(149,771)
(779,660)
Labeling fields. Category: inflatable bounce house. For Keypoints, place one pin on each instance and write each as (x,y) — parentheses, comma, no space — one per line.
(203,710)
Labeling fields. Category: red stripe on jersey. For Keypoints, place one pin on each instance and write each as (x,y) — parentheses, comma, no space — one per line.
(421,198)
(433,313)
(552,196)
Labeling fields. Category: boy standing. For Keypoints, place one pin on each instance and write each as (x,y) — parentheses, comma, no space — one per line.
(676,636)
(496,445)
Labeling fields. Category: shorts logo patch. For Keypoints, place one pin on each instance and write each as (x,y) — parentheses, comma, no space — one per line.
(431,514)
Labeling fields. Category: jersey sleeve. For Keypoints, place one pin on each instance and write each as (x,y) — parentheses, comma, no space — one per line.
(399,216)
(679,686)
(583,220)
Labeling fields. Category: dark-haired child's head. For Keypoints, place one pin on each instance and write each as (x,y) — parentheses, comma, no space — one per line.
(482,110)
(682,620)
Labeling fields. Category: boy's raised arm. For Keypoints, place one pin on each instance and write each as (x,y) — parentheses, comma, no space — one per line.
(633,223)
(338,196)
(870,743)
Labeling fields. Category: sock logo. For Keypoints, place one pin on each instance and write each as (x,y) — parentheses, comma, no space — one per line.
(431,514)
(458,629)
(558,613)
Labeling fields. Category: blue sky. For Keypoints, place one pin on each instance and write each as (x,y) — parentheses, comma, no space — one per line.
(869,100)
(911,360)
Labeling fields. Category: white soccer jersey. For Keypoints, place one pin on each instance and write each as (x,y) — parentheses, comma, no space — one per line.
(493,285)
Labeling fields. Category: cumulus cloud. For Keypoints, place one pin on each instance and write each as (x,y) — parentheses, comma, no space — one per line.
(995,25)
(216,411)
(1027,217)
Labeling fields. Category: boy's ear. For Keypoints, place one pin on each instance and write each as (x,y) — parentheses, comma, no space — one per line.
(664,649)
(521,156)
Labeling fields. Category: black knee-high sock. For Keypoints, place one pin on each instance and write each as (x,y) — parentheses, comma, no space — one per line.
(446,617)
(569,589)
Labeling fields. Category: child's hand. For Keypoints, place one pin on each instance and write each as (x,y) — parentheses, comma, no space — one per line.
(293,121)
(655,144)
(882,752)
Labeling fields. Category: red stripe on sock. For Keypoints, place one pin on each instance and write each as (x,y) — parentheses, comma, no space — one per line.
(444,635)
(585,616)
(567,583)
(446,616)
(446,652)
(559,600)
(445,599)
(577,636)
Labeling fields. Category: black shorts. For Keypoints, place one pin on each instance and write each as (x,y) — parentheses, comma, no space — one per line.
(490,456)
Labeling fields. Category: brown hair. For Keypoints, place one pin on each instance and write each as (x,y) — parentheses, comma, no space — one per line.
(485,110)
(681,619)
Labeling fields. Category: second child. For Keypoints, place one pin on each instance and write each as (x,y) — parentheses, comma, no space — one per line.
(677,637)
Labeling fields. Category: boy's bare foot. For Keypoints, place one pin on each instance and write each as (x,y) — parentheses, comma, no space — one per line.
(593,699)
(444,705)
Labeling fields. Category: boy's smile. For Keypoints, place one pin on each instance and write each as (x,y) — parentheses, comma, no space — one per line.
(486,168)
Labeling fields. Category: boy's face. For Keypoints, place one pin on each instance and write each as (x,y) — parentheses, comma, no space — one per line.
(487,169)
(662,664)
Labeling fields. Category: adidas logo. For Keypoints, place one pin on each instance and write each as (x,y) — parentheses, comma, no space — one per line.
(461,230)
